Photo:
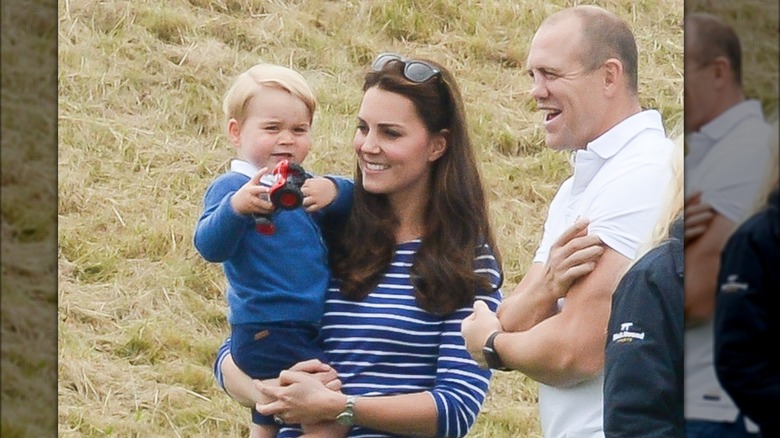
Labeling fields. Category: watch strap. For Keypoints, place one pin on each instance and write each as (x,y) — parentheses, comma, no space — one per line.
(491,355)
(347,416)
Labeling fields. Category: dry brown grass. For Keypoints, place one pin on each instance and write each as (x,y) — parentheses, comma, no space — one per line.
(28,230)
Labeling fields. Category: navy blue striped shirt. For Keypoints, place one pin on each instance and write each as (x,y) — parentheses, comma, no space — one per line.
(386,344)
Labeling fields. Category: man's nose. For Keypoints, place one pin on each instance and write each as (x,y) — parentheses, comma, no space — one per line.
(539,89)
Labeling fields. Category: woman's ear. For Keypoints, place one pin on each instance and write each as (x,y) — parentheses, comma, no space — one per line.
(234,131)
(439,144)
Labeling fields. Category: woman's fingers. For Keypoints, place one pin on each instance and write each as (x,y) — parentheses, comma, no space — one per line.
(311,366)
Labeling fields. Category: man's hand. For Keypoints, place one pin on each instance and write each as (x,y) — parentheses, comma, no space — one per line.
(476,328)
(698,217)
(572,256)
(318,193)
(252,198)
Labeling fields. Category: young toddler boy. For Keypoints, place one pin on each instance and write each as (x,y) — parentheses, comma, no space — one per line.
(276,282)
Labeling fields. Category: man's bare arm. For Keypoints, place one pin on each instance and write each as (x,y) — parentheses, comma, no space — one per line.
(702,262)
(573,256)
(567,348)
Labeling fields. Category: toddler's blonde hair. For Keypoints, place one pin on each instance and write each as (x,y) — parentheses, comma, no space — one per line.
(251,83)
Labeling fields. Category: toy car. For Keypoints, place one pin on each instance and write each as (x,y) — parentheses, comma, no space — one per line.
(284,192)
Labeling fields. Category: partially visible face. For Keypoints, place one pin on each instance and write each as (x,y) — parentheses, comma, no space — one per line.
(277,126)
(699,88)
(393,147)
(565,91)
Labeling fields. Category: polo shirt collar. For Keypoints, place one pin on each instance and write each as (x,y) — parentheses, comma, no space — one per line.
(612,141)
(588,161)
(720,126)
(243,168)
(702,140)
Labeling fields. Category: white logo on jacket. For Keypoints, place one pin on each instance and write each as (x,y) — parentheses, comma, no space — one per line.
(628,333)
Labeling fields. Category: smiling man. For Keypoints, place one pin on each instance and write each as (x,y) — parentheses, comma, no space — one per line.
(583,68)
(728,147)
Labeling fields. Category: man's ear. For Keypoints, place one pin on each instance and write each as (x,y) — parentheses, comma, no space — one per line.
(234,131)
(613,75)
(722,70)
(439,144)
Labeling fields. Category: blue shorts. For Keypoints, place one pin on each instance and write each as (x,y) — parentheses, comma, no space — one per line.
(264,350)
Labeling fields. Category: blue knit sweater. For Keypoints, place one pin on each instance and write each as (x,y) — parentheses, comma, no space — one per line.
(271,278)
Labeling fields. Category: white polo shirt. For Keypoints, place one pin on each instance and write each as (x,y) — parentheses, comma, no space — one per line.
(620,183)
(727,161)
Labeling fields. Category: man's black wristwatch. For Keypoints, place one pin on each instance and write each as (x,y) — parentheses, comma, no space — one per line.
(491,356)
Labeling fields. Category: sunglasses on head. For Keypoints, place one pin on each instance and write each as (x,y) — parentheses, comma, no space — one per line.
(414,70)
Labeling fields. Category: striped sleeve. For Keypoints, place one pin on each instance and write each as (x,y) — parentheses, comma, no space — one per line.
(222,353)
(461,385)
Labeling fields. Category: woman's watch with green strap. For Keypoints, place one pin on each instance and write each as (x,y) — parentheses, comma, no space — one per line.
(347,416)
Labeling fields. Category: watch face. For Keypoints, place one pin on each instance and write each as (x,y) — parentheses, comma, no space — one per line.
(345,419)
(347,416)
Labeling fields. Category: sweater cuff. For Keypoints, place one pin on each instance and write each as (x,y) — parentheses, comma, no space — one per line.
(345,188)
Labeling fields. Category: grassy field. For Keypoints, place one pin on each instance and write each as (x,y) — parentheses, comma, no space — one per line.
(140,315)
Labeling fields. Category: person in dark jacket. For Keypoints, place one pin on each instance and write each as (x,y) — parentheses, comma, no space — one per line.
(747,318)
(643,369)
(643,359)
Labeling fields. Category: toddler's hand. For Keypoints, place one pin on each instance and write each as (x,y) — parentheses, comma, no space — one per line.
(252,198)
(318,193)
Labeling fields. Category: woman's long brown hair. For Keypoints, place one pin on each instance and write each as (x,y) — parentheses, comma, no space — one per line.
(456,218)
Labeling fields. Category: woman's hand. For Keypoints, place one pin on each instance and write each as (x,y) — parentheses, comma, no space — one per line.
(300,397)
(322,371)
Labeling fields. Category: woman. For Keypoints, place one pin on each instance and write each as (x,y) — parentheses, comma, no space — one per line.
(417,252)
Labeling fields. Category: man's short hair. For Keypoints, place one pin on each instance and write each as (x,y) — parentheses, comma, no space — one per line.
(605,36)
(713,37)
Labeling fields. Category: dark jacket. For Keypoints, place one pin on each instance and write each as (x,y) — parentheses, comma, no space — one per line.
(643,370)
(747,318)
